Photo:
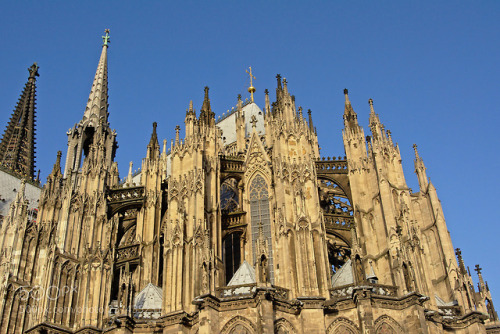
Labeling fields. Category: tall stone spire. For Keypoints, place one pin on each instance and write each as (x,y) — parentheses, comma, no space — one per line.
(95,119)
(17,148)
(97,103)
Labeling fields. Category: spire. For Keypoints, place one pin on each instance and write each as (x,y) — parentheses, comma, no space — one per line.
(481,284)
(190,110)
(376,127)
(350,117)
(461,264)
(17,148)
(129,176)
(97,103)
(153,146)
(177,129)
(311,126)
(373,116)
(423,181)
(57,166)
(206,114)
(206,102)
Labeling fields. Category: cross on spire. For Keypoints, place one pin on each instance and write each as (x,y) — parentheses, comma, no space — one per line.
(105,39)
(478,269)
(251,89)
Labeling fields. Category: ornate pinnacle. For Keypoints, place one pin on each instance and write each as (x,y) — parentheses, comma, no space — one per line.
(346,94)
(370,102)
(33,69)
(266,91)
(105,39)
(417,156)
(478,269)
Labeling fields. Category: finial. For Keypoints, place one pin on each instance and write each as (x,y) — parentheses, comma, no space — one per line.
(266,91)
(346,94)
(251,89)
(206,101)
(370,102)
(416,152)
(278,78)
(105,39)
(478,269)
(239,97)
(154,127)
(33,69)
(191,109)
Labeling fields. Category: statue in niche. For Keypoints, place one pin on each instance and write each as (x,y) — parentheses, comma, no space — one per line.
(264,270)
(359,272)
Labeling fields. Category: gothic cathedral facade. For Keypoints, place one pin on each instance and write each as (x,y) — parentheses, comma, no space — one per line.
(239,227)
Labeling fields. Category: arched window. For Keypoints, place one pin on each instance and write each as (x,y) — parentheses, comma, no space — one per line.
(229,196)
(231,254)
(260,218)
(339,252)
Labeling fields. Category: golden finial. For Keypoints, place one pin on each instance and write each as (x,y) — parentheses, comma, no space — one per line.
(251,89)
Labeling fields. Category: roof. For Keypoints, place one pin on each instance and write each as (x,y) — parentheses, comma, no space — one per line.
(244,275)
(343,276)
(150,298)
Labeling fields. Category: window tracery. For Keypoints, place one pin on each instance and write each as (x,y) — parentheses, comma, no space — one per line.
(260,218)
(229,198)
(333,199)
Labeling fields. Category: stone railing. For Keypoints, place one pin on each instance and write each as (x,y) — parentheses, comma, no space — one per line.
(281,293)
(147,314)
(342,292)
(384,290)
(449,311)
(345,291)
(127,252)
(335,165)
(236,290)
(231,164)
(125,194)
(233,219)
(338,222)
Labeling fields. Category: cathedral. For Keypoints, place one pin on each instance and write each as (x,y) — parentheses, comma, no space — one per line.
(239,227)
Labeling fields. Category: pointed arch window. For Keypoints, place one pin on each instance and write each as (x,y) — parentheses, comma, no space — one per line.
(260,219)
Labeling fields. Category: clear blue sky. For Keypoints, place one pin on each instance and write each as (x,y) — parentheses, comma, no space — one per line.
(431,67)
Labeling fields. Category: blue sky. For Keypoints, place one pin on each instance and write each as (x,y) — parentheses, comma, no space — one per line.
(431,68)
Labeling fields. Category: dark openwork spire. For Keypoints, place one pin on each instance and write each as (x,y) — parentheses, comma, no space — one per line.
(17,148)
(206,113)
(153,146)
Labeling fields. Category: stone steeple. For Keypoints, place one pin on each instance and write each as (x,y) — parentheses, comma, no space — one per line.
(17,148)
(95,119)
(97,103)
